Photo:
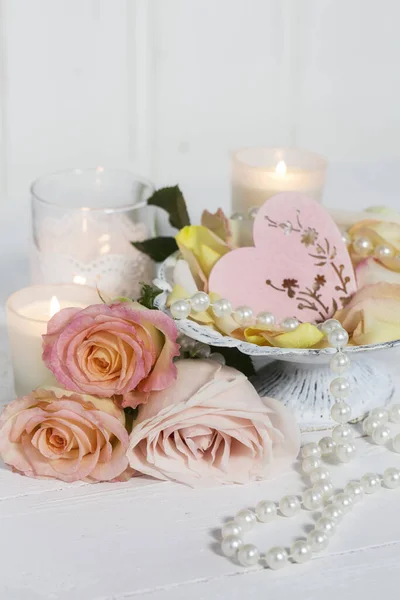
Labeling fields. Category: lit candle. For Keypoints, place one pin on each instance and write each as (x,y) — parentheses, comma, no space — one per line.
(28,312)
(84,223)
(260,173)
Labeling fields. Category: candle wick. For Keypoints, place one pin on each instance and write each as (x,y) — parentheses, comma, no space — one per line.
(54,306)
(281,168)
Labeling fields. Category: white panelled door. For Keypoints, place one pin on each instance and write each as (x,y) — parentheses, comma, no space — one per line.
(169,88)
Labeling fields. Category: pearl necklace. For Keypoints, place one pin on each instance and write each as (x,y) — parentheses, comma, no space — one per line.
(340,445)
(243,315)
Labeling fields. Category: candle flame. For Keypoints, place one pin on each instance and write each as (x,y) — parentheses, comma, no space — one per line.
(79,279)
(54,306)
(281,168)
(105,249)
(99,170)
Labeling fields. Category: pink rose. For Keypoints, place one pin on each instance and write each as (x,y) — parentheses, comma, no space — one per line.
(56,434)
(121,349)
(211,428)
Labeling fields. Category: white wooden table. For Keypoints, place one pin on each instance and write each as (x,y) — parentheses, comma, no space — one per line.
(149,539)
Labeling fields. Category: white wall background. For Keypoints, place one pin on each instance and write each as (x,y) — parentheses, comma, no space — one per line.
(168,88)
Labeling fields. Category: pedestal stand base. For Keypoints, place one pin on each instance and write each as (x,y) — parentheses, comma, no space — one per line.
(304,389)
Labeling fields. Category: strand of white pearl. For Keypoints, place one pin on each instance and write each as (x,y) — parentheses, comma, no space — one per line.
(313,498)
(364,247)
(243,315)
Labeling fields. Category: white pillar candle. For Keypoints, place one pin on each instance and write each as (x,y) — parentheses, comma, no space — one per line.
(28,312)
(260,173)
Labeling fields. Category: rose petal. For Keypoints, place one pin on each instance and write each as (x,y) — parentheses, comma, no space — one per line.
(370,271)
(373,314)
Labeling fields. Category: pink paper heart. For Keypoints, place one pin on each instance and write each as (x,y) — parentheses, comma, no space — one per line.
(299,267)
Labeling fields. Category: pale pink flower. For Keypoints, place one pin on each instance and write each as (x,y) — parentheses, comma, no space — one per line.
(372,316)
(211,428)
(122,349)
(55,434)
(370,271)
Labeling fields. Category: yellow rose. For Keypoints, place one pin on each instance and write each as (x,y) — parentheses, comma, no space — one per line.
(184,287)
(380,233)
(219,224)
(201,249)
(373,314)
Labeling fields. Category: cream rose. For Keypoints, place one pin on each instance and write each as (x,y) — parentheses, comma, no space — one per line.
(373,314)
(370,271)
(211,428)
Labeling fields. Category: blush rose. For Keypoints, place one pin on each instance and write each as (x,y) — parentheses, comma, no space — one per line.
(119,349)
(212,428)
(55,434)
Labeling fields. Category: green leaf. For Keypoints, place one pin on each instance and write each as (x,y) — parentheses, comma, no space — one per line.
(130,417)
(172,201)
(133,412)
(148,294)
(236,359)
(158,248)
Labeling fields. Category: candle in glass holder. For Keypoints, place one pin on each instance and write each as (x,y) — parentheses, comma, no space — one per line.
(260,173)
(84,223)
(28,312)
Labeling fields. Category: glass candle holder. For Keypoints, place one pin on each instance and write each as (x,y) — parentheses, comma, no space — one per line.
(260,173)
(28,312)
(83,224)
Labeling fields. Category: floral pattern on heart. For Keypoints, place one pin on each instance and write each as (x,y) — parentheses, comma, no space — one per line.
(299,266)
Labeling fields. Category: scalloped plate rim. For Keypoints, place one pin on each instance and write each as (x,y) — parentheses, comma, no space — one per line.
(188,326)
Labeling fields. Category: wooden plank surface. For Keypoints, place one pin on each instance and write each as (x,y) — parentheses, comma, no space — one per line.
(145,538)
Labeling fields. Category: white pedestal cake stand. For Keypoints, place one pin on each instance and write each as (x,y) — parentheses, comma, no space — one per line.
(300,378)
